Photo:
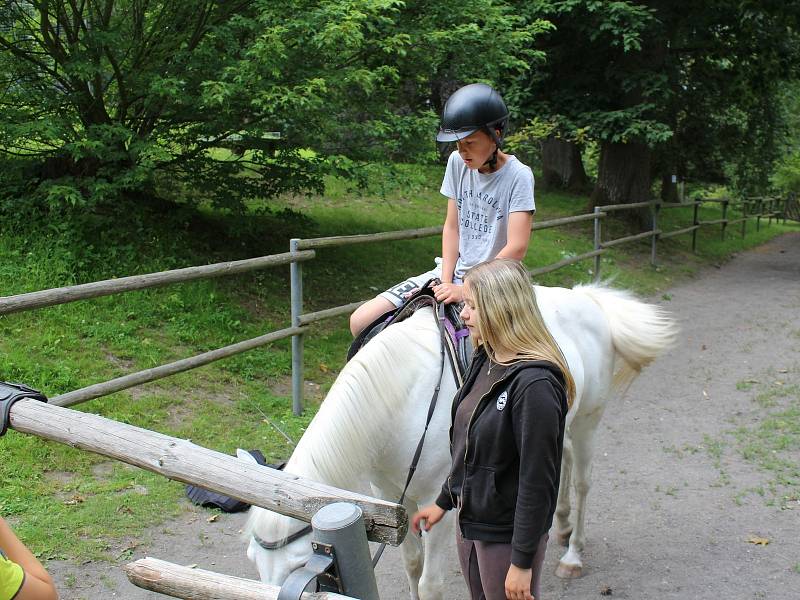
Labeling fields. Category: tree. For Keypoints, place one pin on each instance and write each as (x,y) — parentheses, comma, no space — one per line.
(105,99)
(665,87)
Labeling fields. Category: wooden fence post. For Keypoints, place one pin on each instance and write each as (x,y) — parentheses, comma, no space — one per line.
(695,224)
(653,242)
(597,243)
(745,204)
(724,217)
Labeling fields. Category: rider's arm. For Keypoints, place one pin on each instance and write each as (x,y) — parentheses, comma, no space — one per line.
(519,235)
(450,242)
(37,585)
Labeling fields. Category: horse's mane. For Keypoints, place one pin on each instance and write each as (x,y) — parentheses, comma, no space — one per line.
(348,432)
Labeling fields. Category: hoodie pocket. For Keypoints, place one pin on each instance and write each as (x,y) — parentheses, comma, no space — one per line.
(483,502)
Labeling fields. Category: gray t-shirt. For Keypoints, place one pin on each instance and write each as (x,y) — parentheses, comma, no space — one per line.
(484,202)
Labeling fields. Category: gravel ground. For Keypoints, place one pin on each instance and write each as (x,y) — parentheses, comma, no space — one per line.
(676,508)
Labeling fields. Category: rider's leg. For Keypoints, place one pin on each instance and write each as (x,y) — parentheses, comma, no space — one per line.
(368,312)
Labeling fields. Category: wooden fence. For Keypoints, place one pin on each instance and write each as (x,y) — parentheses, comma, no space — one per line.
(301,250)
(181,460)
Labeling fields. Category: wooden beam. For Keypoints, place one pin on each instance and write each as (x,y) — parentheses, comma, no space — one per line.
(181,460)
(63,295)
(197,584)
(133,379)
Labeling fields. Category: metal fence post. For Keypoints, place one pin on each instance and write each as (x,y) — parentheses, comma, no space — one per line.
(597,242)
(653,241)
(341,525)
(724,217)
(695,225)
(296,297)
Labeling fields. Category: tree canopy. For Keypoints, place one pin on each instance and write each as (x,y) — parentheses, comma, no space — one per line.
(219,101)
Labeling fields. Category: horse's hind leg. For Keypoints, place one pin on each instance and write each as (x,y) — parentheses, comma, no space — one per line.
(563,528)
(582,434)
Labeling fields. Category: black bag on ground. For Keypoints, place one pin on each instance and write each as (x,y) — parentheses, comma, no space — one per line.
(208,499)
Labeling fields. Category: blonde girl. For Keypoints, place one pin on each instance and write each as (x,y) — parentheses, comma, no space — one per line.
(506,437)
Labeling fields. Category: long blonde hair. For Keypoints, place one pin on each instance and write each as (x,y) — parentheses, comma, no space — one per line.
(508,316)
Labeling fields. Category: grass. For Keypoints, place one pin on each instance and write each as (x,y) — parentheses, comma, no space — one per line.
(66,503)
(769,439)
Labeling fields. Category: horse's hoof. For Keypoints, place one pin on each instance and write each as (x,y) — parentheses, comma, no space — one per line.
(565,571)
(562,537)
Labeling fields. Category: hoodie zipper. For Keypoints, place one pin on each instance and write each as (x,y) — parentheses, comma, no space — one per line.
(466,443)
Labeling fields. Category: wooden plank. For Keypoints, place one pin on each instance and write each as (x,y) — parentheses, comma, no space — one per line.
(670,234)
(133,379)
(664,205)
(566,220)
(346,240)
(181,460)
(625,206)
(714,222)
(630,238)
(328,313)
(63,295)
(198,584)
(564,263)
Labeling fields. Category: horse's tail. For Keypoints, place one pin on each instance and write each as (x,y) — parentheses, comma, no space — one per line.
(640,331)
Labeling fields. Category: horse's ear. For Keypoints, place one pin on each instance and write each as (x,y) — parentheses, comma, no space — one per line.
(246,456)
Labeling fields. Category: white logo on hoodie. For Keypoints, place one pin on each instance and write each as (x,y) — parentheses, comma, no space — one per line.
(501,400)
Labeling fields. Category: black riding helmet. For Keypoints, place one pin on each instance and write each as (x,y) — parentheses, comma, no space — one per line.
(470,108)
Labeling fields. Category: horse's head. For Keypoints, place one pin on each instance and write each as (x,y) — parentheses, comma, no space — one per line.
(278,544)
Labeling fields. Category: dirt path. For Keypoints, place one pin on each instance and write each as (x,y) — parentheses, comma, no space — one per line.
(675,505)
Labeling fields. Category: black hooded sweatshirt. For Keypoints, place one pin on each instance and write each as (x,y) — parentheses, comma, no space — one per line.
(507,479)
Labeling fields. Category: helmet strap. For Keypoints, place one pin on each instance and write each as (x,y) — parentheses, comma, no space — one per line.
(492,162)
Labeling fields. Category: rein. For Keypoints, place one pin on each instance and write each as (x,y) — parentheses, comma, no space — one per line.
(438,314)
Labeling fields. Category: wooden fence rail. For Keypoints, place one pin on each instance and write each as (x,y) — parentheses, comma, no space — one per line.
(181,460)
(303,249)
(197,584)
(63,295)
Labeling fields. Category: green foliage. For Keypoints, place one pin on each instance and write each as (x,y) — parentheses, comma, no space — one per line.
(126,98)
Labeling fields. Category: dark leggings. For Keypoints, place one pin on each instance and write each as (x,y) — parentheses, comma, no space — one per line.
(485,566)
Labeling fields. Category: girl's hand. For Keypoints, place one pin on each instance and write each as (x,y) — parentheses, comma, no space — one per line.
(518,584)
(448,293)
(426,517)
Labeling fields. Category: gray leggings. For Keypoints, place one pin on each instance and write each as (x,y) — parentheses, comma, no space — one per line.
(485,566)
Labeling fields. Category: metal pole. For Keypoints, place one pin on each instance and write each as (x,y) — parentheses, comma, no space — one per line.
(341,525)
(654,240)
(694,223)
(597,242)
(296,295)
(724,217)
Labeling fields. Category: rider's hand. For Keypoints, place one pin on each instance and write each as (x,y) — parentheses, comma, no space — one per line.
(426,517)
(449,293)
(518,584)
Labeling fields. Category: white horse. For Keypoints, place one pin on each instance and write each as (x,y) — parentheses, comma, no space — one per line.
(365,433)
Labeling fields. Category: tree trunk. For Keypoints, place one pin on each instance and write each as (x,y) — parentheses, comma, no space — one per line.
(623,177)
(669,189)
(562,167)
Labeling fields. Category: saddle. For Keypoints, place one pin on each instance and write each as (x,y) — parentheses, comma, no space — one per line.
(458,347)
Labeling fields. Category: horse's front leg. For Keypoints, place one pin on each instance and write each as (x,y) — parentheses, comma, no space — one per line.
(413,557)
(563,528)
(437,543)
(582,434)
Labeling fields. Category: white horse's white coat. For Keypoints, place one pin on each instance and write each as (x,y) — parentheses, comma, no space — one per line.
(366,431)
